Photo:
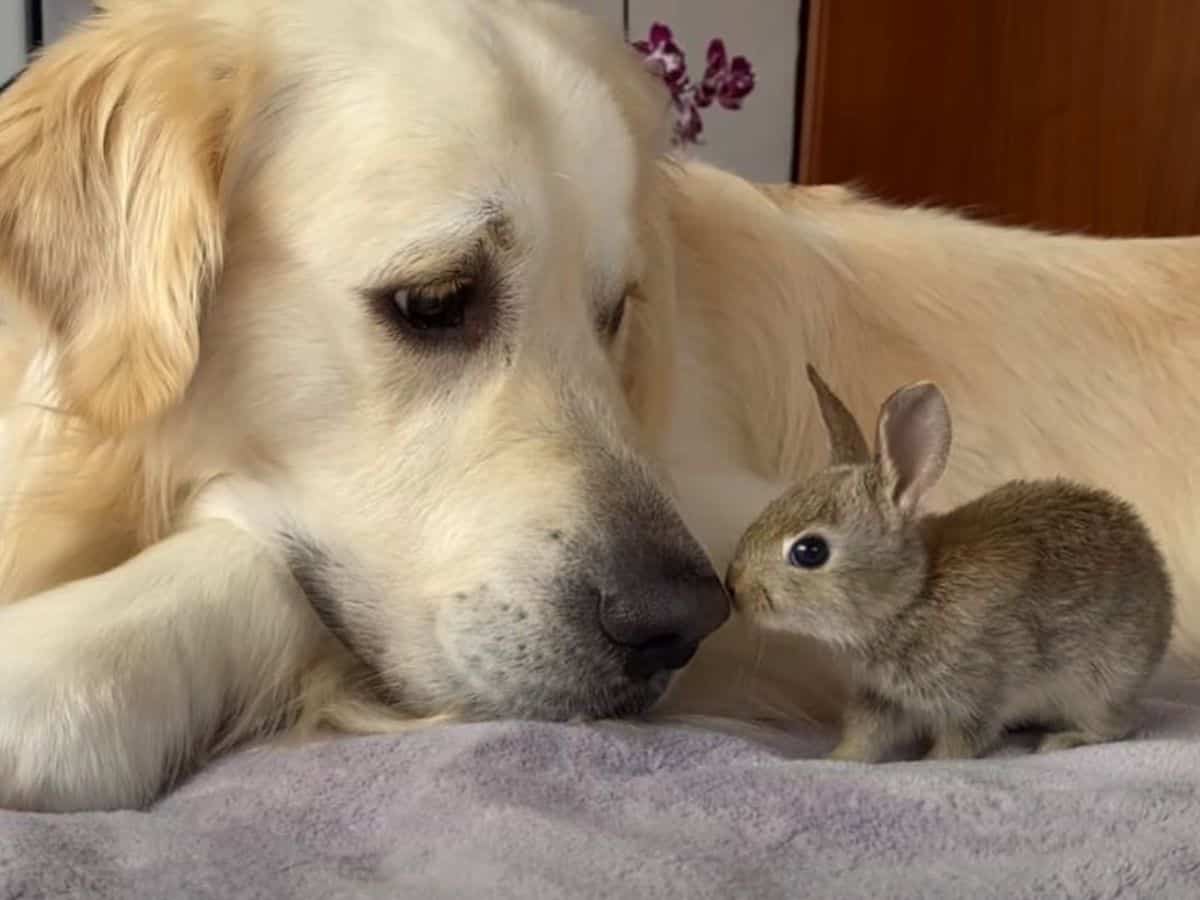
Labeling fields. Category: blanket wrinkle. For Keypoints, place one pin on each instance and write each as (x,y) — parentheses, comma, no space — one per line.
(624,810)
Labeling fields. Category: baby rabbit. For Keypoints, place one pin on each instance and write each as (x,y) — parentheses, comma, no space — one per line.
(1041,602)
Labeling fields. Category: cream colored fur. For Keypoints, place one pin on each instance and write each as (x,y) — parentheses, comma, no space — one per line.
(193,196)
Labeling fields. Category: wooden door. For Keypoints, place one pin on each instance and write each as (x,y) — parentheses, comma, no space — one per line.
(1067,114)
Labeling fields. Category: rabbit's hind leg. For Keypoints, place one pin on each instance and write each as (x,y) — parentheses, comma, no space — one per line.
(1092,726)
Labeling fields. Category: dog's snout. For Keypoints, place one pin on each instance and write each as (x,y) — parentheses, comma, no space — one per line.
(658,593)
(661,619)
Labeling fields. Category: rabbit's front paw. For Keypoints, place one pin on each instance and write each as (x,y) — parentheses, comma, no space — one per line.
(849,750)
(963,741)
(871,728)
(866,739)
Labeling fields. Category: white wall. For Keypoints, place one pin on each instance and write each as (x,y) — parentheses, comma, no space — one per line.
(610,11)
(755,141)
(12,38)
(57,15)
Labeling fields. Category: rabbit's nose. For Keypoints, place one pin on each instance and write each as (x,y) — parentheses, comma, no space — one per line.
(733,582)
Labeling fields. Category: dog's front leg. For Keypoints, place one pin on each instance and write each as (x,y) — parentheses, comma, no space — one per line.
(112,686)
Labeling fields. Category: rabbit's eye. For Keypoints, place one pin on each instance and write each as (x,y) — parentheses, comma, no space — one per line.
(809,552)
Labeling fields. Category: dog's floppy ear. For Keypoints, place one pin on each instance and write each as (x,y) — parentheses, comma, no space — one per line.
(112,149)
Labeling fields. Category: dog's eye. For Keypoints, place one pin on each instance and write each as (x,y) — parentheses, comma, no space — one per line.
(617,317)
(443,308)
(610,324)
(453,313)
(809,552)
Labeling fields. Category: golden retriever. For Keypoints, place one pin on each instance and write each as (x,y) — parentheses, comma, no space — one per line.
(362,363)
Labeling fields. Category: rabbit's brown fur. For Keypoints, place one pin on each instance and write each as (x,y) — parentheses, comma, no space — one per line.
(1041,602)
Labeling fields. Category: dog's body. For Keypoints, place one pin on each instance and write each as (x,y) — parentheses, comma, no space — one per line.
(242,492)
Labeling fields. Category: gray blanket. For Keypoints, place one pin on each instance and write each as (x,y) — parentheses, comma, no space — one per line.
(529,810)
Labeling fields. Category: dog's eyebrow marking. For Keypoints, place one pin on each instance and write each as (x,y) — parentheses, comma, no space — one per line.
(501,231)
(449,250)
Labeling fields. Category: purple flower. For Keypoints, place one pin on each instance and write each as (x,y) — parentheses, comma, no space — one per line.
(706,90)
(728,82)
(663,56)
(725,81)
(716,60)
(739,81)
(688,124)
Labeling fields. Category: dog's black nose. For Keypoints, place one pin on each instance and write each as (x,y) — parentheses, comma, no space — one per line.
(662,619)
(658,594)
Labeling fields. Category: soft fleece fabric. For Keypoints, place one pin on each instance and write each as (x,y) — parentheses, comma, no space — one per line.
(532,810)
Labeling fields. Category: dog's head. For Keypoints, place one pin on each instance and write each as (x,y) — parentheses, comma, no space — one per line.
(392,276)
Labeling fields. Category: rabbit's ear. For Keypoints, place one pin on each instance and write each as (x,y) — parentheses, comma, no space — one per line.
(846,441)
(913,442)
